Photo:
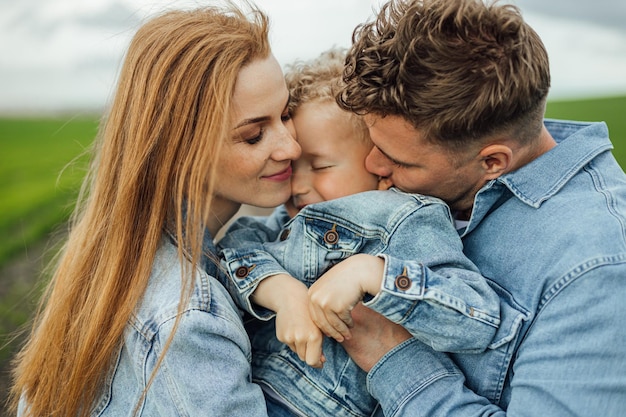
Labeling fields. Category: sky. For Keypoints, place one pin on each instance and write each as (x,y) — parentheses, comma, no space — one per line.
(58,55)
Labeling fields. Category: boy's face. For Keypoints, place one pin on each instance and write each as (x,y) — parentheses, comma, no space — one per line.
(332,163)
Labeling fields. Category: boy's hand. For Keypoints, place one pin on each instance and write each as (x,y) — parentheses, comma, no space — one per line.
(288,298)
(334,294)
(295,328)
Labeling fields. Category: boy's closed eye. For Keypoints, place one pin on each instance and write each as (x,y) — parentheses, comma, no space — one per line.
(321,167)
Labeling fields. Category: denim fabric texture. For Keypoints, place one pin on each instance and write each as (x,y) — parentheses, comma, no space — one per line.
(438,295)
(206,370)
(551,238)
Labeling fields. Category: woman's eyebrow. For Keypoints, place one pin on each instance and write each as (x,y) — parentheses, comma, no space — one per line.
(259,119)
(251,121)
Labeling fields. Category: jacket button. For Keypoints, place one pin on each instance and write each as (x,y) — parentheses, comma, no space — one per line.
(331,237)
(403,282)
(242,272)
(284,235)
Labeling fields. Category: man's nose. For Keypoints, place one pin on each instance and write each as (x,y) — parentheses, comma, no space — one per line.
(377,163)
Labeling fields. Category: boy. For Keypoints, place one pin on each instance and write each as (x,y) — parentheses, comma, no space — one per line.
(317,229)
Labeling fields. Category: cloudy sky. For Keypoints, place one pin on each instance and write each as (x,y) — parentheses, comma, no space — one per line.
(64,54)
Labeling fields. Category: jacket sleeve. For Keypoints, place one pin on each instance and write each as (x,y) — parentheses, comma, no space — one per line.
(432,289)
(244,245)
(569,363)
(247,231)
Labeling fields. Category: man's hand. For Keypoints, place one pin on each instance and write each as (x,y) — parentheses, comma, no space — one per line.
(373,336)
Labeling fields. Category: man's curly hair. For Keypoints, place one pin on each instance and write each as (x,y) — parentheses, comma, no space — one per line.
(457,70)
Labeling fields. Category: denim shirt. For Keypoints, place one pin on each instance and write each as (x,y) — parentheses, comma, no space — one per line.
(442,300)
(206,369)
(551,236)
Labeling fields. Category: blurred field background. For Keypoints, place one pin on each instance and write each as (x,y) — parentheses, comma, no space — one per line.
(42,163)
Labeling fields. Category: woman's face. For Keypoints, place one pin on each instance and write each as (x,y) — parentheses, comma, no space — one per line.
(255,164)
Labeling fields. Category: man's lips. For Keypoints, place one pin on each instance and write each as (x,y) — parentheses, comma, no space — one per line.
(280,176)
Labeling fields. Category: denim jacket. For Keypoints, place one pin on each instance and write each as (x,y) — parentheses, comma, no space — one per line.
(446,303)
(551,236)
(205,371)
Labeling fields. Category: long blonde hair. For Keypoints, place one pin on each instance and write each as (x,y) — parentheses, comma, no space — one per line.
(154,165)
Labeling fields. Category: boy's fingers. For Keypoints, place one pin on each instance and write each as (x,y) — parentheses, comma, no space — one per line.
(314,354)
(322,321)
(337,328)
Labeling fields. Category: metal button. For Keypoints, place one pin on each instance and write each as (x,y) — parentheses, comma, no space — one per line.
(331,237)
(403,282)
(284,235)
(242,272)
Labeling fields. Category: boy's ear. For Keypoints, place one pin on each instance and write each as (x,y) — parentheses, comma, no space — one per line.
(496,160)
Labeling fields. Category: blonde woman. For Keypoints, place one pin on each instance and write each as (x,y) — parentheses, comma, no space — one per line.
(134,322)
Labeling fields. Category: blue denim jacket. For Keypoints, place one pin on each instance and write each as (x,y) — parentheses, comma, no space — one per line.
(206,370)
(446,303)
(551,236)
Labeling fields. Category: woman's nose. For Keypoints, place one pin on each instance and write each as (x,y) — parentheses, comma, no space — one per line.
(288,147)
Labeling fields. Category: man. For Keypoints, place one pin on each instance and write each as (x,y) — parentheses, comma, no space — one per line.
(454,93)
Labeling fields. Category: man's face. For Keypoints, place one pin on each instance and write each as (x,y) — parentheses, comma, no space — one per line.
(414,165)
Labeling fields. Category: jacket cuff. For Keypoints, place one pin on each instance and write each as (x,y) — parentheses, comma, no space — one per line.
(416,366)
(246,269)
(402,286)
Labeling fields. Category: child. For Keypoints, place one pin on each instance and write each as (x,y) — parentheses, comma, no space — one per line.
(317,229)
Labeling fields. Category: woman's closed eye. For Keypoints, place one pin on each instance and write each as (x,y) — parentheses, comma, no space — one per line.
(255,139)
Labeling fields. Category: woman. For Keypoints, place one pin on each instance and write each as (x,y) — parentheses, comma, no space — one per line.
(131,323)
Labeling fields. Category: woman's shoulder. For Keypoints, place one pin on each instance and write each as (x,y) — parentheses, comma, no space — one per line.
(161,299)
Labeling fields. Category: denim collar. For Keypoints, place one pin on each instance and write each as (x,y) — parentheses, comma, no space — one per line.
(578,144)
(536,182)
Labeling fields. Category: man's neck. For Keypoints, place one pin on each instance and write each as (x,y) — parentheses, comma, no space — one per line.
(526,154)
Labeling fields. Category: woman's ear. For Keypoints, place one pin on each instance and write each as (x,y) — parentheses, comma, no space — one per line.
(496,160)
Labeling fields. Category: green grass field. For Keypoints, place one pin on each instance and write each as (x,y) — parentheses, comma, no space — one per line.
(611,110)
(40,171)
(42,162)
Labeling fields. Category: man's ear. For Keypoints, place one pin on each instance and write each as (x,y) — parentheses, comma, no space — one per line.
(496,160)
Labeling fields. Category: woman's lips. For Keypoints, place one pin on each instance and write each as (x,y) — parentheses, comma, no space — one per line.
(280,176)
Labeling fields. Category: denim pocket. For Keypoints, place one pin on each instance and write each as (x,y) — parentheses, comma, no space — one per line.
(338,240)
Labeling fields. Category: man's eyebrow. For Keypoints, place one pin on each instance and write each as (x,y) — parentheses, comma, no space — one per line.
(254,120)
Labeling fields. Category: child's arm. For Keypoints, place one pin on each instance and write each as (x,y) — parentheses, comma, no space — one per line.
(288,297)
(421,280)
(256,279)
(244,260)
(333,296)
(247,230)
